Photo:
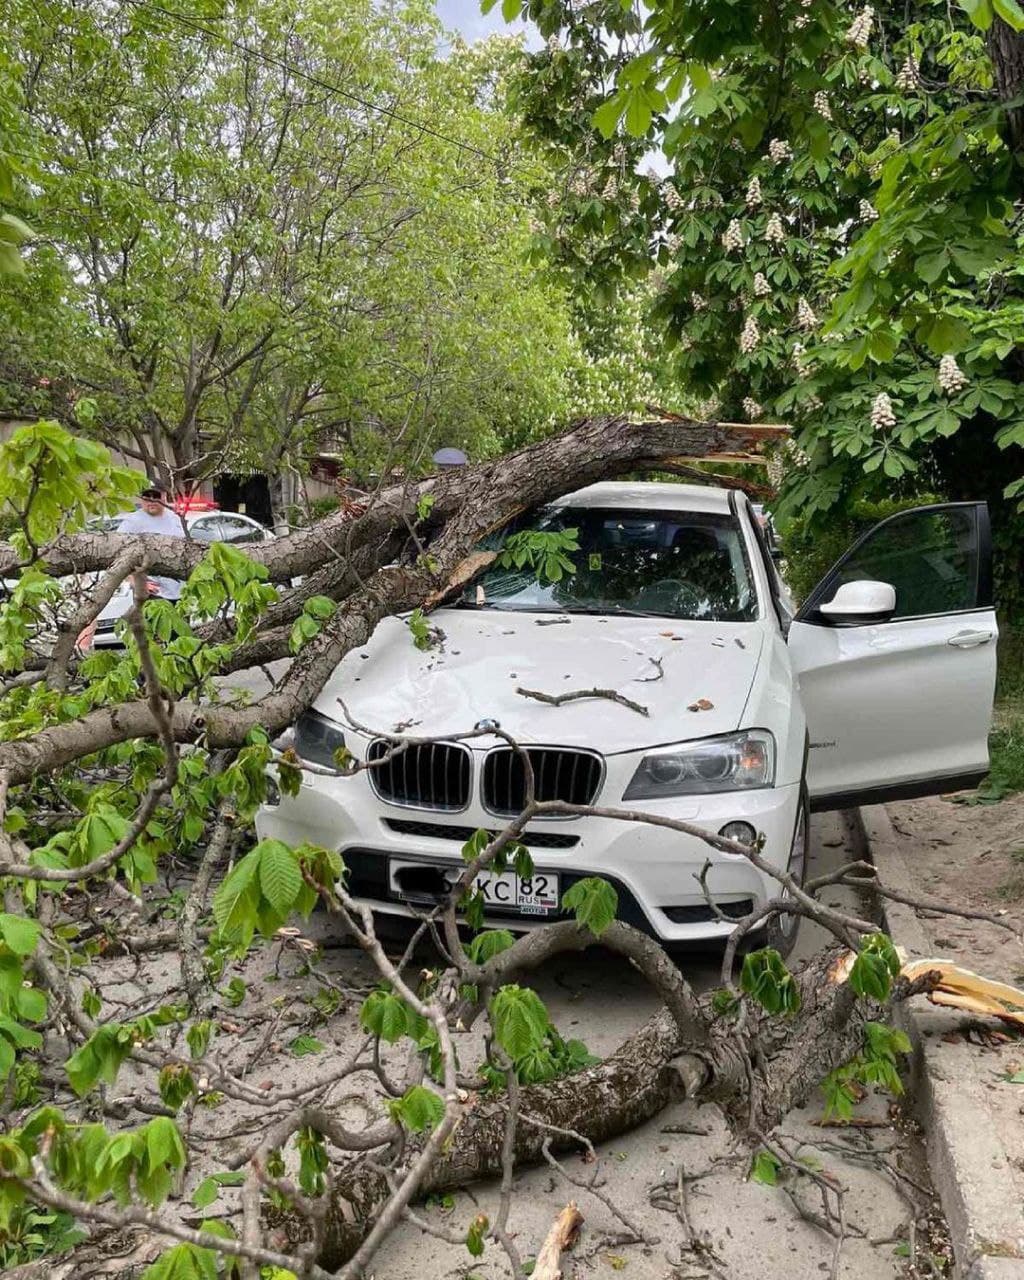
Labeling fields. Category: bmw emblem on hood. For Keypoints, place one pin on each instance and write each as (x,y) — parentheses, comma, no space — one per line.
(487,726)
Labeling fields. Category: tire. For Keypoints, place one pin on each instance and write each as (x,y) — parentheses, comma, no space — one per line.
(782,930)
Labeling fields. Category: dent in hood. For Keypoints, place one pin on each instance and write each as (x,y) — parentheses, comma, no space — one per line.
(484,656)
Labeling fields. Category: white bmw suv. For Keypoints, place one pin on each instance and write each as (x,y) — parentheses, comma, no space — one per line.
(744,714)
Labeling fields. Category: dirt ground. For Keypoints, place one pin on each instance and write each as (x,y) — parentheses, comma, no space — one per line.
(973,856)
(970,856)
(728,1225)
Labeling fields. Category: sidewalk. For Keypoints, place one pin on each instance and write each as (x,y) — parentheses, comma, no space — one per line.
(976,1155)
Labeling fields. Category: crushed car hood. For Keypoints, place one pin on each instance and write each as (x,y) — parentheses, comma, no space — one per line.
(481,657)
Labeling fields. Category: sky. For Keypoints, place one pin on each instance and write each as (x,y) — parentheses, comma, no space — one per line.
(465,16)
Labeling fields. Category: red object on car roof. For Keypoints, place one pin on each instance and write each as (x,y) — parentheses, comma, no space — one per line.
(184,504)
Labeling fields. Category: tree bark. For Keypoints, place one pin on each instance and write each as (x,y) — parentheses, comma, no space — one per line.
(650,1070)
(1006,49)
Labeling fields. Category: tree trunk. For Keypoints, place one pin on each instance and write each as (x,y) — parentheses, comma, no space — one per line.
(1006,49)
(650,1070)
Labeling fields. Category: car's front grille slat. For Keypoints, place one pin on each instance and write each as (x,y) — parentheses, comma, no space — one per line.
(559,773)
(444,831)
(434,775)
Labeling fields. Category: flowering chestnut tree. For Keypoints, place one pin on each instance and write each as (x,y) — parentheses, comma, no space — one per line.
(837,238)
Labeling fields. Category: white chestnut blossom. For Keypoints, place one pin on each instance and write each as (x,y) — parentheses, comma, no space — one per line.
(751,408)
(822,105)
(812,404)
(860,29)
(673,199)
(774,232)
(761,286)
(951,377)
(867,211)
(750,336)
(882,415)
(554,44)
(698,301)
(611,188)
(799,363)
(775,468)
(805,316)
(672,242)
(797,456)
(732,237)
(907,76)
(754,192)
(708,409)
(634,201)
(779,150)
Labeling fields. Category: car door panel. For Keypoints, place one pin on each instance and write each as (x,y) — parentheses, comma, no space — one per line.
(902,706)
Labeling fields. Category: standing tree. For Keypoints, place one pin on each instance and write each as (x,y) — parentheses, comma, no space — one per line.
(838,238)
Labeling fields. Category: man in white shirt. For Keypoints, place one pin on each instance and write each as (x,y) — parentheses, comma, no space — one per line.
(154,516)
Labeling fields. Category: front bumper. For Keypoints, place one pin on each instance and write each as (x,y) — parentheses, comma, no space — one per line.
(654,870)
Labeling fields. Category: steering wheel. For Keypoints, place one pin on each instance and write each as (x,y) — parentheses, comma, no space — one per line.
(675,593)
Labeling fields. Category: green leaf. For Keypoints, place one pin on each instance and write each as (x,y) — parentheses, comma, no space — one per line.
(594,901)
(485,946)
(1010,12)
(519,1019)
(875,967)
(304,1045)
(766,979)
(765,1169)
(235,903)
(384,1014)
(608,114)
(20,933)
(979,12)
(13,230)
(475,1235)
(280,877)
(419,1109)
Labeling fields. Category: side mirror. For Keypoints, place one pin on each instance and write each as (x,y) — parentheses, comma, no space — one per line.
(861,601)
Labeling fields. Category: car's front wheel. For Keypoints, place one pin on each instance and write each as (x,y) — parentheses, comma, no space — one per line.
(781,931)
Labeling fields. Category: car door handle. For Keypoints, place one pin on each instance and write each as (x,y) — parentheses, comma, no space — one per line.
(970,639)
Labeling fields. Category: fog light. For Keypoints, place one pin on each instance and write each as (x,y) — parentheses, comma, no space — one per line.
(741,832)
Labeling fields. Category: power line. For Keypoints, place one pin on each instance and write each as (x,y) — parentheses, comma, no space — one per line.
(283,65)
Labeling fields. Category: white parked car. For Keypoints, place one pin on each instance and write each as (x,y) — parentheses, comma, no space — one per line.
(204,526)
(880,686)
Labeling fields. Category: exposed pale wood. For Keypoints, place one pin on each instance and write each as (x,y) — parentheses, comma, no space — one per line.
(562,1236)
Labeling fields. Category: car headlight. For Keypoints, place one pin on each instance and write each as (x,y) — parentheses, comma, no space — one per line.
(734,762)
(316,739)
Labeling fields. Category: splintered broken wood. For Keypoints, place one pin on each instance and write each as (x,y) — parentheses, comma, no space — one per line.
(956,988)
(959,988)
(562,1236)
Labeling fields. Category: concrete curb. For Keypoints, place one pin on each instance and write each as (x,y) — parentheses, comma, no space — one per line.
(977,1184)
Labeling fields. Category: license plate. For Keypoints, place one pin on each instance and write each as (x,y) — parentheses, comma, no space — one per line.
(535,895)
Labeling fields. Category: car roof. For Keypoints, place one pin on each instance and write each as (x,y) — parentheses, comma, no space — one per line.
(651,495)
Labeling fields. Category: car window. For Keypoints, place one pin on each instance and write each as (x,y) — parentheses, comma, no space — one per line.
(237,529)
(931,556)
(661,563)
(205,530)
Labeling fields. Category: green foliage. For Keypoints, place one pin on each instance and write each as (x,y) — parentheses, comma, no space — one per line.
(266,886)
(877,1065)
(183,1262)
(766,1168)
(519,1019)
(475,1235)
(545,552)
(875,967)
(385,1015)
(423,634)
(765,978)
(418,1109)
(208,1190)
(827,240)
(315,612)
(485,946)
(594,902)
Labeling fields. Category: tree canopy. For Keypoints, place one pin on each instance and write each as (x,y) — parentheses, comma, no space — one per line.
(268,227)
(837,241)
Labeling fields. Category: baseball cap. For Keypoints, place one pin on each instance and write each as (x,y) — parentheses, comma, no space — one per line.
(153,489)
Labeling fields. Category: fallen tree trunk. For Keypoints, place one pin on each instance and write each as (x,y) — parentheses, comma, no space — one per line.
(649,1070)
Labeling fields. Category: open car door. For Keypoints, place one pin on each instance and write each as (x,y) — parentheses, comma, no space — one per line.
(895,653)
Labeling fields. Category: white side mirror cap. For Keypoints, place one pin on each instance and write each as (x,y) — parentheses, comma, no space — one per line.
(861,599)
